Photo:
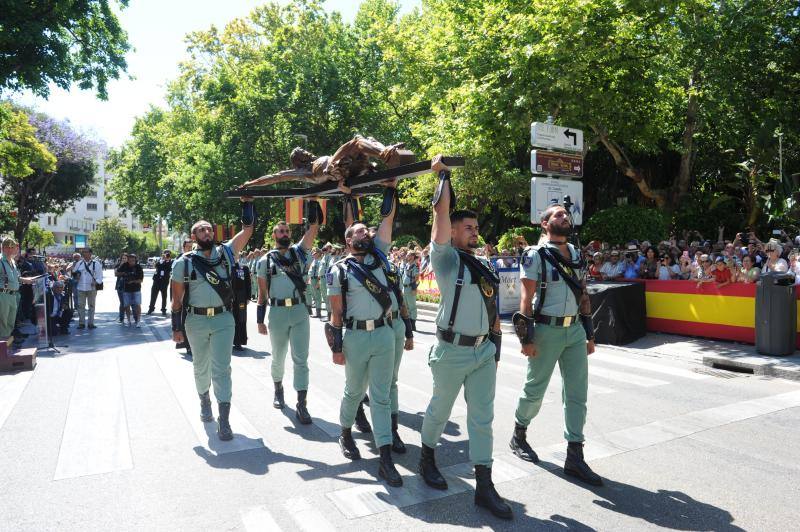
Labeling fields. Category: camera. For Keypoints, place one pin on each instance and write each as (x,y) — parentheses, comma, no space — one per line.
(76,275)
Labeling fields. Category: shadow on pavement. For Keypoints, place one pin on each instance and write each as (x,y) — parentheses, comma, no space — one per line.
(257,461)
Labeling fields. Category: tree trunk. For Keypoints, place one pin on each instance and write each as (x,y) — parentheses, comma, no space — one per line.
(683,181)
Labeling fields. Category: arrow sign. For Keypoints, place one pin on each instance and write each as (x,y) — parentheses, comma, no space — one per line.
(554,137)
(572,134)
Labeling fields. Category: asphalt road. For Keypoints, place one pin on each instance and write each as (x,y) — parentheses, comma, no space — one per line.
(104,435)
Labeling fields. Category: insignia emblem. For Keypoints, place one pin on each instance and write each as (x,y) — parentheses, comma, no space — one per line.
(527,261)
(369,285)
(486,288)
(329,278)
(211,279)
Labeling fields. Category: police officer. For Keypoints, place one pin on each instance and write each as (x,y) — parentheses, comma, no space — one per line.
(281,284)
(361,301)
(161,282)
(554,324)
(410,282)
(314,282)
(10,281)
(468,347)
(327,260)
(201,282)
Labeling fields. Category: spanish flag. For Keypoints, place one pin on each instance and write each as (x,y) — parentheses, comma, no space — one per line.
(294,210)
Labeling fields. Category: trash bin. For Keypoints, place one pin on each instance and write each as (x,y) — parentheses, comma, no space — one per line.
(776,314)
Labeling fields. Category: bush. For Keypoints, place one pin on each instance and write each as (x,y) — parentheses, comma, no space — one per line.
(624,223)
(507,239)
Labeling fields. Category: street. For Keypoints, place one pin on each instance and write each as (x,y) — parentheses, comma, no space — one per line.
(105,435)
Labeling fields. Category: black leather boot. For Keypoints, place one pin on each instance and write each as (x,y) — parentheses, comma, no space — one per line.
(397,444)
(206,415)
(362,424)
(319,314)
(487,496)
(301,412)
(308,307)
(277,401)
(224,427)
(386,469)
(428,470)
(519,445)
(577,467)
(348,445)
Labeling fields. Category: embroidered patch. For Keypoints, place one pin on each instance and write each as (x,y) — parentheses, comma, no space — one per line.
(329,278)
(527,260)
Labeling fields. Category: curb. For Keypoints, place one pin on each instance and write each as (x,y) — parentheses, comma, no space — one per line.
(768,367)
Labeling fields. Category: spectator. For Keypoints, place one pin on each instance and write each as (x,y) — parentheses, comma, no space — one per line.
(667,269)
(133,275)
(161,282)
(613,268)
(794,267)
(596,266)
(73,282)
(119,286)
(748,273)
(633,263)
(648,268)
(720,274)
(90,276)
(774,261)
(59,314)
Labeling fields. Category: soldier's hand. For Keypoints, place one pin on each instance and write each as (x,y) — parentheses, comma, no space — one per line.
(338,359)
(529,350)
(409,345)
(245,199)
(437,165)
(177,337)
(262,329)
(344,189)
(589,347)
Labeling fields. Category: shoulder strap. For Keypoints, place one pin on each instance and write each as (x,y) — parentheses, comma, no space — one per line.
(457,295)
(342,270)
(376,289)
(542,282)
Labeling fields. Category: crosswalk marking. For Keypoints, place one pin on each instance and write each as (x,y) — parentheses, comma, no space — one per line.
(259,519)
(628,378)
(11,388)
(306,516)
(632,362)
(95,438)
(178,374)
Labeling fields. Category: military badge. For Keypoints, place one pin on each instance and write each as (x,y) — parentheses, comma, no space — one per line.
(527,260)
(486,288)
(212,278)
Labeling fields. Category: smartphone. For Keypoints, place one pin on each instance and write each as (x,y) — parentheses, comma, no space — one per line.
(777,232)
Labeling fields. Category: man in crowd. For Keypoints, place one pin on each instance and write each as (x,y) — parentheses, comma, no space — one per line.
(161,282)
(281,285)
(613,268)
(90,279)
(133,276)
(119,286)
(201,286)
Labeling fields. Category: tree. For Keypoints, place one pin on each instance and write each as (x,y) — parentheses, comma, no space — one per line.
(60,42)
(110,238)
(39,238)
(55,183)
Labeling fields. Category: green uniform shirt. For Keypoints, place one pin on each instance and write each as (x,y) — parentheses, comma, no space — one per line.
(201,294)
(410,274)
(360,303)
(471,318)
(315,267)
(9,274)
(559,300)
(280,285)
(327,260)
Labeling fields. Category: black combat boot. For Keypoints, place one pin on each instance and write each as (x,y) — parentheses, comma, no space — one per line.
(224,427)
(397,444)
(487,496)
(519,445)
(428,470)
(386,469)
(206,415)
(319,313)
(301,412)
(308,307)
(362,424)
(348,445)
(277,401)
(577,467)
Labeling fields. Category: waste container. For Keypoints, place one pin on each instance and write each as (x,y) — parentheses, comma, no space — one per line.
(776,314)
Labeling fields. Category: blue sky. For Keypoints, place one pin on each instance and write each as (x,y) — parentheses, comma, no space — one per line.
(155,30)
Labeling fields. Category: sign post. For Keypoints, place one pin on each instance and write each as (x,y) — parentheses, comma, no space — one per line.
(546,135)
(562,155)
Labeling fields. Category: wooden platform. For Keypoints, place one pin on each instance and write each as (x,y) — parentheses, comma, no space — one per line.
(363,184)
(24,359)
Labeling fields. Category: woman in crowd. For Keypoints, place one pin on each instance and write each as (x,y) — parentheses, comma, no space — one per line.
(649,266)
(774,261)
(748,273)
(667,269)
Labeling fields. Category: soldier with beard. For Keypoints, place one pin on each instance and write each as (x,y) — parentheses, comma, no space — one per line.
(554,324)
(201,285)
(281,283)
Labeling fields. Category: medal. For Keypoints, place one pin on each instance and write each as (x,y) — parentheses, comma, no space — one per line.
(486,288)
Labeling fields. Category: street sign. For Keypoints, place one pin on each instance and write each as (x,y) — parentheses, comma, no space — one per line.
(546,191)
(553,163)
(545,135)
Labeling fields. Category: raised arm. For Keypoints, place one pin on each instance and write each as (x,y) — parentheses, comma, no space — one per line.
(440,229)
(388,211)
(314,219)
(239,241)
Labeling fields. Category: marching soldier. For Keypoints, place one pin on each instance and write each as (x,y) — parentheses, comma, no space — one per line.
(554,324)
(281,284)
(201,285)
(314,282)
(361,298)
(410,281)
(327,260)
(468,347)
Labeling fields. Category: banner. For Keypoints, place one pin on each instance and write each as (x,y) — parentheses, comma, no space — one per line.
(509,292)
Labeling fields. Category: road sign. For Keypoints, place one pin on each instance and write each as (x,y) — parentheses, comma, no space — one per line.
(546,190)
(556,137)
(553,163)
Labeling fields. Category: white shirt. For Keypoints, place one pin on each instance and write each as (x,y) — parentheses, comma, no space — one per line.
(85,282)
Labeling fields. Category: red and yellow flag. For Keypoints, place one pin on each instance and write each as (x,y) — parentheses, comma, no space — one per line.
(294,210)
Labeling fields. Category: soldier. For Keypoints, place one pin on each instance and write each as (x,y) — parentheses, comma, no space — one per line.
(313,285)
(327,260)
(241,296)
(468,347)
(281,284)
(551,330)
(410,281)
(161,282)
(361,300)
(9,289)
(201,285)
(187,247)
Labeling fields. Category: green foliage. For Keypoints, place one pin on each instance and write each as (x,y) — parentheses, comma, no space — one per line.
(405,240)
(37,237)
(509,239)
(621,224)
(60,42)
(110,239)
(21,153)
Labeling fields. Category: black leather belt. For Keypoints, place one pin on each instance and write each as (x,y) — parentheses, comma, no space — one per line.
(460,339)
(287,302)
(368,325)
(207,311)
(561,321)
(8,291)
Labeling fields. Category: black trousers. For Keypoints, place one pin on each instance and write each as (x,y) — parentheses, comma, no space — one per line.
(240,319)
(154,291)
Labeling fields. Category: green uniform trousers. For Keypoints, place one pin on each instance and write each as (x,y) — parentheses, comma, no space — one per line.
(399,342)
(289,326)
(212,341)
(410,297)
(316,296)
(567,346)
(473,368)
(369,359)
(8,314)
(323,289)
